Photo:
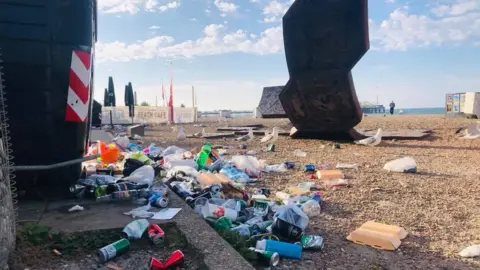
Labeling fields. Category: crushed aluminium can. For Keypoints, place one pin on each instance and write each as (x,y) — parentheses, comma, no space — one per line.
(310,241)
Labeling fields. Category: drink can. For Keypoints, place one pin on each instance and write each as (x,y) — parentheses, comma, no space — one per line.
(161,202)
(262,191)
(309,168)
(272,257)
(215,189)
(156,234)
(310,241)
(111,251)
(271,147)
(290,164)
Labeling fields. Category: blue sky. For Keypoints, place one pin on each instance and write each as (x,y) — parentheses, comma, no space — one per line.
(230,49)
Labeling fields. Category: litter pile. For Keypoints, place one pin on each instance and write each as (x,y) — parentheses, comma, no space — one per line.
(216,189)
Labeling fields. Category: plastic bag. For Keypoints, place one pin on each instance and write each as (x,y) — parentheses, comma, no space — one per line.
(293,215)
(276,168)
(289,222)
(139,156)
(183,162)
(185,170)
(251,165)
(471,251)
(135,229)
(173,150)
(142,175)
(123,142)
(405,165)
(141,212)
(131,165)
(311,208)
(235,174)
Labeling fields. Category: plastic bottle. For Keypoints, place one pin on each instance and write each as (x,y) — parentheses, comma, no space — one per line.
(204,155)
(282,248)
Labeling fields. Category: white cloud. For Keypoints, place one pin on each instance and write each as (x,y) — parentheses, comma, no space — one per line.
(153,27)
(274,10)
(389,1)
(459,7)
(456,24)
(225,6)
(400,31)
(215,41)
(134,6)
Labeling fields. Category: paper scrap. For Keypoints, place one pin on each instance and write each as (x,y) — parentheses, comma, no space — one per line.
(167,213)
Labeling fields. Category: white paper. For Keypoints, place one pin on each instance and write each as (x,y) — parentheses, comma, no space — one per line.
(167,213)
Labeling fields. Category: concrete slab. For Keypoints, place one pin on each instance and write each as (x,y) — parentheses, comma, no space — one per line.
(262,132)
(400,134)
(136,130)
(100,135)
(218,254)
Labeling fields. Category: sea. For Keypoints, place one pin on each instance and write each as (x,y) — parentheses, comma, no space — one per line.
(406,111)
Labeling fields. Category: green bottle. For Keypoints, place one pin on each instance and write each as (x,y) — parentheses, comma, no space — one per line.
(203,155)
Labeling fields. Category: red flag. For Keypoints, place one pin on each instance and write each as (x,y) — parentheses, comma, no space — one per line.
(170,101)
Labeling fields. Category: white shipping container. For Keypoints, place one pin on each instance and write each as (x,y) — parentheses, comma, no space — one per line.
(472,103)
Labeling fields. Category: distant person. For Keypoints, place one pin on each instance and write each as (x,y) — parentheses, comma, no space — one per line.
(392,107)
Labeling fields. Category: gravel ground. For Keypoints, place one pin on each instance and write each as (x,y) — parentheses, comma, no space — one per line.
(438,206)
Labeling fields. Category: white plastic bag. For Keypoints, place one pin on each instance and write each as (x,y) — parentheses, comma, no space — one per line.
(142,175)
(123,142)
(141,212)
(248,162)
(276,168)
(405,165)
(173,150)
(183,162)
(185,170)
(470,252)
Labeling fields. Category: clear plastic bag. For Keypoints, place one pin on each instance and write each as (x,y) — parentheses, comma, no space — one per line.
(311,208)
(292,215)
(173,150)
(142,175)
(276,168)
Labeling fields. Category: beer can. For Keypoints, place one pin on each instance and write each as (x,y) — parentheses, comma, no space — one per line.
(161,202)
(272,257)
(111,251)
(309,168)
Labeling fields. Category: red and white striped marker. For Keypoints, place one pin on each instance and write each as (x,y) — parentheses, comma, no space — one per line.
(78,87)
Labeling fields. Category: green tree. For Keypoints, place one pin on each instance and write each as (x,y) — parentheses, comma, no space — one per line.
(106,99)
(182,105)
(111,92)
(144,103)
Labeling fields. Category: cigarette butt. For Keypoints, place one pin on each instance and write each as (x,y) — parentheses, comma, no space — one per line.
(114,267)
(57,252)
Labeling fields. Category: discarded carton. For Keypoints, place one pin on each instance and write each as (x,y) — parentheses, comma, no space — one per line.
(378,235)
(207,178)
(330,174)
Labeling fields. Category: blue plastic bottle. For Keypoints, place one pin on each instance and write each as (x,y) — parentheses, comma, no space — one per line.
(283,249)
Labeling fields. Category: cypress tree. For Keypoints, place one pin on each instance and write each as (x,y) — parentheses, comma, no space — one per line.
(106,99)
(111,92)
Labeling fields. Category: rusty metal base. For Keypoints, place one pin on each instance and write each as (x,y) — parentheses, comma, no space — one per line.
(339,136)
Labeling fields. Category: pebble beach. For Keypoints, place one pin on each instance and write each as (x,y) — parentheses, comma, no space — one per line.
(438,206)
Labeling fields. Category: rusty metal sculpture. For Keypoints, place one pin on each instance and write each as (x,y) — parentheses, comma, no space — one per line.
(324,39)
